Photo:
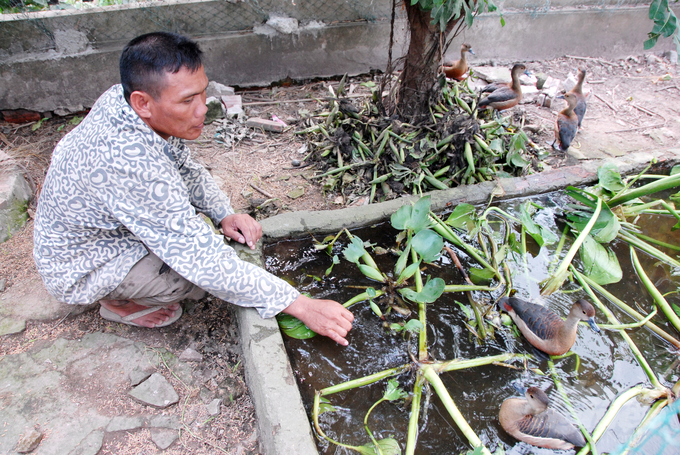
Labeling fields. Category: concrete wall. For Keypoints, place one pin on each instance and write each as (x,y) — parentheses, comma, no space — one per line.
(62,60)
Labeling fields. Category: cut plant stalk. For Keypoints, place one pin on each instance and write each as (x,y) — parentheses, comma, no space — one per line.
(433,378)
(555,281)
(619,303)
(645,190)
(654,292)
(649,249)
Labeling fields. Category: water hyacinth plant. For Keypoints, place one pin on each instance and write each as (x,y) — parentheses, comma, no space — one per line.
(496,245)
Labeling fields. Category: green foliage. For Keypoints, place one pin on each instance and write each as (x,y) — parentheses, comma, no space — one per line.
(665,24)
(428,244)
(414,217)
(388,446)
(355,250)
(541,234)
(610,179)
(293,327)
(463,216)
(432,290)
(599,263)
(444,11)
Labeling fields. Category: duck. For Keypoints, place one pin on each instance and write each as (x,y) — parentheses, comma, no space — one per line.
(566,124)
(544,329)
(458,69)
(531,420)
(506,96)
(581,104)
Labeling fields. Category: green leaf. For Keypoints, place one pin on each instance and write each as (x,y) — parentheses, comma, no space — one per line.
(336,260)
(600,264)
(428,244)
(354,250)
(540,234)
(414,326)
(650,43)
(371,273)
(432,290)
(463,216)
(675,170)
(293,327)
(403,259)
(610,179)
(481,276)
(393,392)
(657,7)
(375,308)
(469,314)
(414,217)
(325,406)
(388,446)
(408,272)
(605,229)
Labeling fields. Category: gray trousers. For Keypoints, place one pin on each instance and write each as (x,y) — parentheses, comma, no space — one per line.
(151,282)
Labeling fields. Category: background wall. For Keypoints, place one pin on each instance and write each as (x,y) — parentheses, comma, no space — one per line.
(63,60)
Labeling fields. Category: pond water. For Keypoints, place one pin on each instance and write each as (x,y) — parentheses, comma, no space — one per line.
(607,368)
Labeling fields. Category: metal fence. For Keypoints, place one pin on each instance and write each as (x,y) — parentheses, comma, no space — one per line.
(99,26)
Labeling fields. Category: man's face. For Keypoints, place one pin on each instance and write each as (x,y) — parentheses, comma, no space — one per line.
(180,109)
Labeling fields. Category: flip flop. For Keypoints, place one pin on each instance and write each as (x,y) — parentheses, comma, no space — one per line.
(111,316)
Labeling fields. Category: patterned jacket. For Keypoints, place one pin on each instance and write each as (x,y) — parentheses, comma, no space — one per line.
(115,188)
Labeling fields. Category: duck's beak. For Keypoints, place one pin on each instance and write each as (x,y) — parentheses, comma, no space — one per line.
(519,388)
(591,323)
(470,51)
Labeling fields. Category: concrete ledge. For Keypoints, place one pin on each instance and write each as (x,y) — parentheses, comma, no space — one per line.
(283,423)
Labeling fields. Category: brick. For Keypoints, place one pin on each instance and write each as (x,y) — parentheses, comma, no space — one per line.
(267,125)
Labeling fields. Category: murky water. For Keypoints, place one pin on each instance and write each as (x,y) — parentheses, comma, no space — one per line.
(607,369)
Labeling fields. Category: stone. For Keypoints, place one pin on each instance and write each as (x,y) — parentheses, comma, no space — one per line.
(493,74)
(3,284)
(217,90)
(540,80)
(672,57)
(125,423)
(230,389)
(10,326)
(15,193)
(155,391)
(525,79)
(165,421)
(215,110)
(264,124)
(29,441)
(190,355)
(282,24)
(529,94)
(296,193)
(233,104)
(137,375)
(294,163)
(163,437)
(214,408)
(569,83)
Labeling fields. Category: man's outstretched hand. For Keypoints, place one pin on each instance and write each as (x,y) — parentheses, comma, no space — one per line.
(325,317)
(242,228)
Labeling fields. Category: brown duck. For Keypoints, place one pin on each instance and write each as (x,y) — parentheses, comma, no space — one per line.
(458,69)
(544,329)
(581,104)
(566,124)
(505,97)
(532,421)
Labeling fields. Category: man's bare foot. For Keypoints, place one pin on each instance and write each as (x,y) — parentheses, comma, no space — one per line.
(126,307)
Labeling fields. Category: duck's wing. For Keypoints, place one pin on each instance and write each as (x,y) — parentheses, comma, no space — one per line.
(567,130)
(539,319)
(549,428)
(580,109)
(500,95)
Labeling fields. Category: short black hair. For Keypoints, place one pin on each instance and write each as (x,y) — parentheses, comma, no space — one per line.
(148,57)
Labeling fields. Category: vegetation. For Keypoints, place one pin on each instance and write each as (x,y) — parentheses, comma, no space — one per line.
(497,242)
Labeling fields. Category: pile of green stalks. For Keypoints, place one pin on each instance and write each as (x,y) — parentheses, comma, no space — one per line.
(362,152)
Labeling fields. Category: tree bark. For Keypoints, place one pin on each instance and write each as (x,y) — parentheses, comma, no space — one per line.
(418,84)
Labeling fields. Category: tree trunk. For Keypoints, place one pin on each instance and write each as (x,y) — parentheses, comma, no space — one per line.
(418,84)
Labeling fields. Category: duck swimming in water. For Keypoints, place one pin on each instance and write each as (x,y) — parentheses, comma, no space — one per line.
(544,329)
(532,421)
(457,70)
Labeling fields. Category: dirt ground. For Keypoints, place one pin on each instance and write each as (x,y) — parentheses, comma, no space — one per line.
(634,104)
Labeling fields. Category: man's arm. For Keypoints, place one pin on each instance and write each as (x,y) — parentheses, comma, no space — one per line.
(325,317)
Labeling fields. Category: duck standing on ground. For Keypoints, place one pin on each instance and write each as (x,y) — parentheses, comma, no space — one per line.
(566,124)
(505,97)
(459,68)
(581,104)
(544,329)
(532,421)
